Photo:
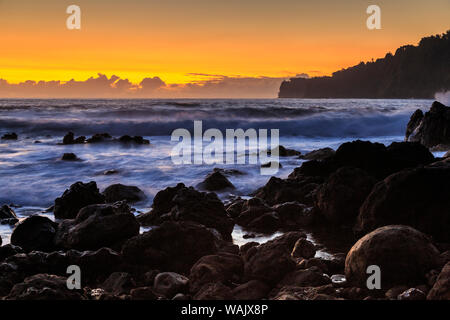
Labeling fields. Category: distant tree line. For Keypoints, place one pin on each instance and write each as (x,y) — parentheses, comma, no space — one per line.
(413,72)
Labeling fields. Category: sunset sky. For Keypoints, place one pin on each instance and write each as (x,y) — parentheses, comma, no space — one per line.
(200,42)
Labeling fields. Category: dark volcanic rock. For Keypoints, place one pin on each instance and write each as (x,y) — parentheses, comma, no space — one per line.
(119,283)
(416,197)
(35,233)
(252,290)
(215,181)
(135,139)
(284,152)
(441,289)
(278,191)
(414,121)
(431,129)
(340,198)
(173,246)
(43,287)
(320,154)
(99,137)
(403,155)
(79,195)
(187,204)
(225,268)
(403,254)
(9,136)
(303,249)
(214,291)
(311,277)
(69,157)
(271,261)
(69,138)
(7,215)
(96,226)
(170,283)
(120,192)
(9,250)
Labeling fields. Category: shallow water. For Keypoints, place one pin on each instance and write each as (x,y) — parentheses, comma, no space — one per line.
(32,174)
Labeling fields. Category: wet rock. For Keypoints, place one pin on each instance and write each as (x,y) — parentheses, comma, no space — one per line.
(403,254)
(181,297)
(284,152)
(143,293)
(99,137)
(278,191)
(216,181)
(43,287)
(441,289)
(225,268)
(69,157)
(119,283)
(414,121)
(394,292)
(187,204)
(214,291)
(339,199)
(173,246)
(431,129)
(69,138)
(135,139)
(303,249)
(7,215)
(293,215)
(415,197)
(267,223)
(78,196)
(311,277)
(9,250)
(404,155)
(326,292)
(271,261)
(10,136)
(314,170)
(412,294)
(96,226)
(170,283)
(110,172)
(35,233)
(252,290)
(320,154)
(120,192)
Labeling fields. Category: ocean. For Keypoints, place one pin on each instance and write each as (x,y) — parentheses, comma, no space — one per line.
(32,174)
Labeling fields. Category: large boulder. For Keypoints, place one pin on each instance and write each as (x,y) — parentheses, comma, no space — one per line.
(403,254)
(416,197)
(441,288)
(96,226)
(339,199)
(319,154)
(173,246)
(187,204)
(78,196)
(432,128)
(35,233)
(43,287)
(271,261)
(224,267)
(120,192)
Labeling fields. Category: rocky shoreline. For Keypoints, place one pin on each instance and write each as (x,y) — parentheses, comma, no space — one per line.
(392,201)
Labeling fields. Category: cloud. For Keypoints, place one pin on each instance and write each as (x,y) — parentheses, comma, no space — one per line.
(102,86)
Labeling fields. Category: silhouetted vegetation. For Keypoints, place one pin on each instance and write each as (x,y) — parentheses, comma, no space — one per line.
(413,72)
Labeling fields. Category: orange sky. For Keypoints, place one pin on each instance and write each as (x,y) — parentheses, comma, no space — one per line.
(173,39)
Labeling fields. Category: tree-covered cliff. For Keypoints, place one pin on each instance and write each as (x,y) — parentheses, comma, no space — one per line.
(413,72)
